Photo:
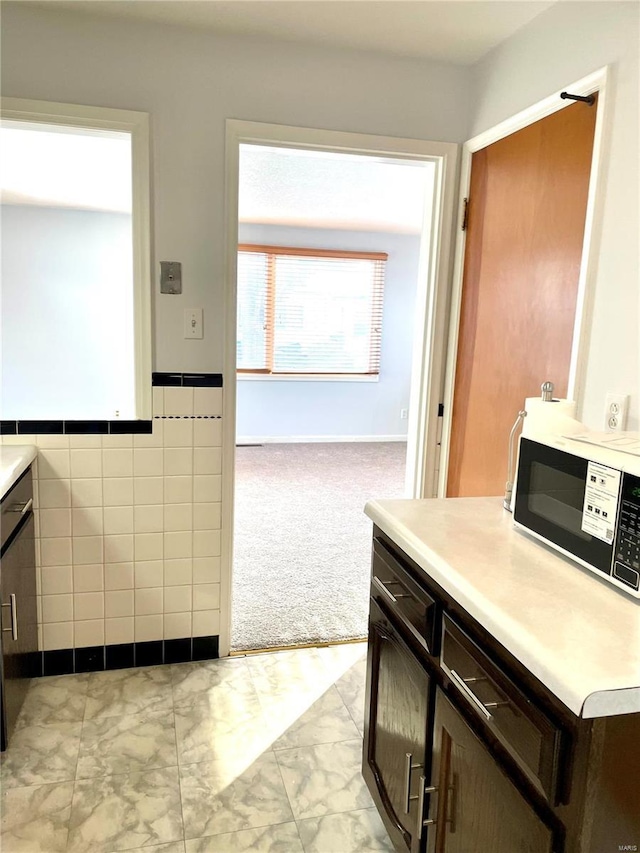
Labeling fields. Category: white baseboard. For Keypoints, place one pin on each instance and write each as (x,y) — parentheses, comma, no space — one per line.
(313,439)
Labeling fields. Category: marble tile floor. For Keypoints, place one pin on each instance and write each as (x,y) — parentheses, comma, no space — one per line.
(258,753)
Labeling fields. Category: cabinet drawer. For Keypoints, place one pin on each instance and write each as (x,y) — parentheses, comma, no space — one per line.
(412,605)
(531,738)
(15,505)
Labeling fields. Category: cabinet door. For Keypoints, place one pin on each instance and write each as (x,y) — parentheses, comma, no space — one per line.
(18,578)
(397,729)
(476,806)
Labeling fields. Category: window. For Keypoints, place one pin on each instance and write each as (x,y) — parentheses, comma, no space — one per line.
(309,311)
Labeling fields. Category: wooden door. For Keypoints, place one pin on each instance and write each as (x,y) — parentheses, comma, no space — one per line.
(525,230)
(396,736)
(477,808)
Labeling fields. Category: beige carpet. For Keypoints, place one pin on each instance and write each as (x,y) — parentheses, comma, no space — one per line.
(302,542)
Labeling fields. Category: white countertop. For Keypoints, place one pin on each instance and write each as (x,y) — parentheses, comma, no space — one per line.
(577,634)
(14,461)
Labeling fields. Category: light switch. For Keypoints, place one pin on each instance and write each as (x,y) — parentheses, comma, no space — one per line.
(193,322)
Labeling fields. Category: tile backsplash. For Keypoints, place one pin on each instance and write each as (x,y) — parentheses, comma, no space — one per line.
(128,527)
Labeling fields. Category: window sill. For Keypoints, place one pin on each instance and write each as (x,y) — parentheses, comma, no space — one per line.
(296,377)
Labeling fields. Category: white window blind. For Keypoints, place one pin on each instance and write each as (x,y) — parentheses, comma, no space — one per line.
(309,311)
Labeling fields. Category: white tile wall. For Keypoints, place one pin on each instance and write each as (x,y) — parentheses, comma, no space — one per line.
(129,527)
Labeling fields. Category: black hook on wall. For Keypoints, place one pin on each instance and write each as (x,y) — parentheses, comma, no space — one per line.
(587,99)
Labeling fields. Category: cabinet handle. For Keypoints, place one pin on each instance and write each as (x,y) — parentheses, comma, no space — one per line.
(424,789)
(23,508)
(471,696)
(408,767)
(14,616)
(380,585)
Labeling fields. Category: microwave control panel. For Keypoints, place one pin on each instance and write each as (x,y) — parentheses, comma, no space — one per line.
(626,557)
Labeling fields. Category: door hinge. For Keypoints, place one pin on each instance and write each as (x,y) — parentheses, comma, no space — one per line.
(465,214)
(440,410)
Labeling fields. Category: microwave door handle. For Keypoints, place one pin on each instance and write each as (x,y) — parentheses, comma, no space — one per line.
(508,493)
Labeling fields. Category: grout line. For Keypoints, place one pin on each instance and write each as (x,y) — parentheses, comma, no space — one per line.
(289,800)
(178,765)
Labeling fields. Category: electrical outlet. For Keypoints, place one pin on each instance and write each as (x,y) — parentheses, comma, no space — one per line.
(404,414)
(615,412)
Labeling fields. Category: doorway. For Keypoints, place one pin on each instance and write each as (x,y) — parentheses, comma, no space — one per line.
(328,266)
(430,305)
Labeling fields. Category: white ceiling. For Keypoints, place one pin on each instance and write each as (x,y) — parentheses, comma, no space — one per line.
(325,190)
(50,166)
(301,188)
(458,31)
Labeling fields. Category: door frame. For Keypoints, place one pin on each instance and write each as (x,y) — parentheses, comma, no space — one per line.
(431,314)
(595,82)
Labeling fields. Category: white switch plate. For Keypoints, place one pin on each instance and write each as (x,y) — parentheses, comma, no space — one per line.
(615,412)
(193,322)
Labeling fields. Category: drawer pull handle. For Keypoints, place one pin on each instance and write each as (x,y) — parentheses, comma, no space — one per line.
(408,767)
(475,679)
(22,508)
(378,583)
(492,705)
(14,617)
(471,696)
(390,595)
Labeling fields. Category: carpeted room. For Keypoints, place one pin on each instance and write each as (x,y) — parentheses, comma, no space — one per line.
(302,542)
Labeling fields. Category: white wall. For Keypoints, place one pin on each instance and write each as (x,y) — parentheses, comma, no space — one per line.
(190,83)
(67,314)
(270,408)
(565,43)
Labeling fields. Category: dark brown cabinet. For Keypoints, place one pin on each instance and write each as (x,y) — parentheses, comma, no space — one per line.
(18,598)
(466,752)
(398,732)
(476,806)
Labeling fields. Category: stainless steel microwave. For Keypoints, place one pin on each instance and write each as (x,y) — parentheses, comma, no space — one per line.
(584,501)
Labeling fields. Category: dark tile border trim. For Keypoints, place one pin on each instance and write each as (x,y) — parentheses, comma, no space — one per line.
(86,427)
(119,657)
(42,427)
(187,380)
(148,654)
(58,662)
(99,658)
(75,427)
(130,427)
(89,659)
